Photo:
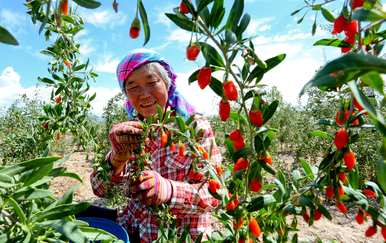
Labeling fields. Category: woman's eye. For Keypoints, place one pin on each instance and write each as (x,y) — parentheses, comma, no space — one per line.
(133,88)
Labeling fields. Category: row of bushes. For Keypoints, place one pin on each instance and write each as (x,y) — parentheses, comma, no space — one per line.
(21,131)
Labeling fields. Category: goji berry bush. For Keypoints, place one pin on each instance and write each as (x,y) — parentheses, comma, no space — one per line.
(256,199)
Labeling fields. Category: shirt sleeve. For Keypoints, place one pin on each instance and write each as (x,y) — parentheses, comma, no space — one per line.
(192,196)
(101,186)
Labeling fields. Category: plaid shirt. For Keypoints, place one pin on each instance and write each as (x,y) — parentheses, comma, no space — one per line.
(191,202)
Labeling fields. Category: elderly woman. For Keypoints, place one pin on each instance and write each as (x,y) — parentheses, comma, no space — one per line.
(147,80)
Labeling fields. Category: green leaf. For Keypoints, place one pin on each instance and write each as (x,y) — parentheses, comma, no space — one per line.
(353,177)
(374,80)
(235,15)
(345,69)
(230,37)
(361,98)
(313,31)
(145,23)
(203,4)
(216,86)
(60,171)
(182,21)
(381,173)
(19,212)
(217,13)
(7,38)
(6,181)
(327,15)
(270,110)
(271,63)
(46,80)
(296,11)
(370,15)
(324,211)
(92,4)
(326,162)
(60,211)
(243,25)
(27,165)
(69,229)
(37,174)
(211,55)
(31,193)
(307,168)
(268,168)
(181,124)
(259,144)
(321,134)
(97,235)
(332,42)
(260,202)
(305,201)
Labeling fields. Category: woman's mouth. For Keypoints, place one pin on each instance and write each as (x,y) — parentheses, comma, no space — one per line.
(147,105)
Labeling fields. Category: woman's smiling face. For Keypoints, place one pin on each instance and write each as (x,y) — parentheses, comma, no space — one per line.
(145,89)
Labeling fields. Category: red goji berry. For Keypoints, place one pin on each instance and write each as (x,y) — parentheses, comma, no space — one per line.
(256,118)
(254,227)
(341,138)
(372,230)
(241,164)
(317,215)
(230,90)
(224,110)
(255,185)
(183,8)
(341,207)
(359,218)
(330,192)
(349,159)
(192,52)
(213,185)
(204,76)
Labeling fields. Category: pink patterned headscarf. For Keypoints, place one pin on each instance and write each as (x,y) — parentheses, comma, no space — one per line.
(136,59)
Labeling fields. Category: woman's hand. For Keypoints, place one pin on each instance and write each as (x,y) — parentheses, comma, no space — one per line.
(125,138)
(152,188)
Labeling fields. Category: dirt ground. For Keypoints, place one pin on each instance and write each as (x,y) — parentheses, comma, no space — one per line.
(342,228)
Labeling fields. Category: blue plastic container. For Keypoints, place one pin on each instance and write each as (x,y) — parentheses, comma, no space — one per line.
(107,225)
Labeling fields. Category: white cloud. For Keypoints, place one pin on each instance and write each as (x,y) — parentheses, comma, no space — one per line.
(86,47)
(179,35)
(11,19)
(105,18)
(298,67)
(11,88)
(160,14)
(256,25)
(101,99)
(205,101)
(107,64)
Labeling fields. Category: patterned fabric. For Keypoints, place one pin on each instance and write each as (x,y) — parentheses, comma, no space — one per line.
(190,201)
(140,57)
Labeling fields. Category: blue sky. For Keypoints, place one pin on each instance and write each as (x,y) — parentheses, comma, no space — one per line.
(105,41)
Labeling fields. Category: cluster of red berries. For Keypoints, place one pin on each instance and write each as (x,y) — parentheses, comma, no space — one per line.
(230,94)
(349,27)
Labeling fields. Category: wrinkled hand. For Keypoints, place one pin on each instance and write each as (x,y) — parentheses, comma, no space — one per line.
(152,188)
(124,137)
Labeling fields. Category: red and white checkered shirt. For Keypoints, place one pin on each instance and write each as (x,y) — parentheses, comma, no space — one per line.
(191,202)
